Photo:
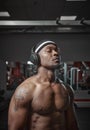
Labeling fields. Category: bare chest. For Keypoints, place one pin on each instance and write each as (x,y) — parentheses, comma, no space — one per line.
(48,99)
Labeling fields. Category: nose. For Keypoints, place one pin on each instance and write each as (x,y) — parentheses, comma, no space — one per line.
(55,53)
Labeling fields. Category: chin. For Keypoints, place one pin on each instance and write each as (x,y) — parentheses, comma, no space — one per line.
(55,66)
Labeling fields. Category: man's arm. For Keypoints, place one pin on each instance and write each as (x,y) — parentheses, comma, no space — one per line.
(18,109)
(71,119)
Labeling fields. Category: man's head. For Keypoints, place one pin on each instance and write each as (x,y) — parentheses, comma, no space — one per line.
(45,54)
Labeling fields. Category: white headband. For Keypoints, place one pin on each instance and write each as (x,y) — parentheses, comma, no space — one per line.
(42,44)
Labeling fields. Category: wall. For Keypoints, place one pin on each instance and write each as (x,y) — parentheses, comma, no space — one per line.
(2,75)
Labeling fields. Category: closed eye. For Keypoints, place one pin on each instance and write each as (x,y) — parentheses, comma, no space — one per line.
(49,50)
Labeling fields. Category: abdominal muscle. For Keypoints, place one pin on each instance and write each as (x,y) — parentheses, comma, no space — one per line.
(53,121)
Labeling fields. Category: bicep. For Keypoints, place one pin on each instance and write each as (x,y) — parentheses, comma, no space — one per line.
(71,118)
(18,111)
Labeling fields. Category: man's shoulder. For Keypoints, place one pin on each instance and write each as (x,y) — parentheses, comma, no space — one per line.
(27,84)
(25,89)
(69,89)
(67,86)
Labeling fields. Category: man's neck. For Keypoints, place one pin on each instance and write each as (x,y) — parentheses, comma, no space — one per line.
(45,74)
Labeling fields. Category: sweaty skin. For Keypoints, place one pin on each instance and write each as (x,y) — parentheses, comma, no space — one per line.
(40,103)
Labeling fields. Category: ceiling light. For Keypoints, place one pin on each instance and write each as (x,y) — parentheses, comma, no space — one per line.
(6,62)
(68,17)
(64,28)
(76,0)
(4,14)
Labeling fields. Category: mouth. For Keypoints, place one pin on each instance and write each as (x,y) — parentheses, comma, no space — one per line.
(56,59)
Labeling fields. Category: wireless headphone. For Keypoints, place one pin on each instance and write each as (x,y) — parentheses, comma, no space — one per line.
(34,57)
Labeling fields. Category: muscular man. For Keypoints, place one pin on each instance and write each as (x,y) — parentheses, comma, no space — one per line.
(41,102)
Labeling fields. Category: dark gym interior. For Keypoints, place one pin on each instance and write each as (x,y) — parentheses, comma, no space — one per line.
(24,23)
